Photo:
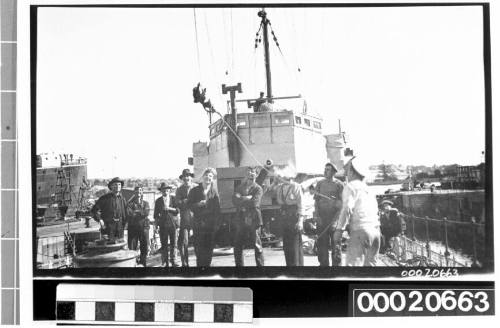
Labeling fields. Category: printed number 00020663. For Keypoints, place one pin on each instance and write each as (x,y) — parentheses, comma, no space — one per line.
(428,301)
(430,273)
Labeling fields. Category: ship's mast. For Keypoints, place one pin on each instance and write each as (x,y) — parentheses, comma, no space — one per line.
(264,23)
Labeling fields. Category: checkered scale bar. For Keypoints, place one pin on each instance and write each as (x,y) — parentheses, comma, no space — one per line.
(116,304)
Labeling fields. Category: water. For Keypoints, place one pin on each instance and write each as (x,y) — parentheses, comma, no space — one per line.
(380,189)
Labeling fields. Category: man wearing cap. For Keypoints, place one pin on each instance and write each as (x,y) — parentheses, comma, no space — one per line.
(392,224)
(327,205)
(247,198)
(181,198)
(111,210)
(138,224)
(360,211)
(167,221)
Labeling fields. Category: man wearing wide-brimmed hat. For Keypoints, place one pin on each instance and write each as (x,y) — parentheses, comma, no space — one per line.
(111,210)
(166,220)
(181,198)
(392,224)
(327,205)
(360,211)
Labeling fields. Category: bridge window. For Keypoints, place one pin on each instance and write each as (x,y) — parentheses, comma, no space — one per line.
(307,122)
(281,119)
(260,120)
(298,120)
(317,125)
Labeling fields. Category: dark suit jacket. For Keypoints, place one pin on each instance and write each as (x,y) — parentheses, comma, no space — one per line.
(204,215)
(138,214)
(164,217)
(250,207)
(104,208)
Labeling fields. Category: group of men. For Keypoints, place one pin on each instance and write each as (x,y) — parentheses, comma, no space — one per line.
(338,205)
(172,219)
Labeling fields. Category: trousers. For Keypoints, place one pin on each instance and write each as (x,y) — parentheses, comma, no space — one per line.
(292,246)
(324,242)
(292,239)
(246,234)
(168,240)
(114,229)
(363,246)
(203,240)
(183,244)
(138,237)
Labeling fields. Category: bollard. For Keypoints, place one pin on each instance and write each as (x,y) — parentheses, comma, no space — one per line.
(474,264)
(427,243)
(446,252)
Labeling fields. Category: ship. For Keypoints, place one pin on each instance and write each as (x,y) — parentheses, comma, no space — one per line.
(269,128)
(61,186)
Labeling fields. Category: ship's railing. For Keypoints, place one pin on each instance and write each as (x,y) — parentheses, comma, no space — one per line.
(409,250)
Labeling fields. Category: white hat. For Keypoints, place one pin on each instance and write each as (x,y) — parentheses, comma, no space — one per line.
(286,172)
(359,166)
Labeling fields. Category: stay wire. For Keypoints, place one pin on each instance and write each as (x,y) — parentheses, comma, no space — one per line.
(197,44)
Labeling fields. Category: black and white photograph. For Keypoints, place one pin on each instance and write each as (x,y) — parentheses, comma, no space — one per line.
(312,139)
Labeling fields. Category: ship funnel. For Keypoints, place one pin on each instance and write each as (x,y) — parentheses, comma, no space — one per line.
(335,146)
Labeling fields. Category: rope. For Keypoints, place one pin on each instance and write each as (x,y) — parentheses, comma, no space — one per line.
(210,44)
(232,41)
(197,45)
(225,43)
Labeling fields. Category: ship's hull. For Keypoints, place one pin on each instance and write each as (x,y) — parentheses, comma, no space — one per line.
(60,184)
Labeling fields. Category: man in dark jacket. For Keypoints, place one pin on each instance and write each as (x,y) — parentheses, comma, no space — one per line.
(111,210)
(181,199)
(166,220)
(392,224)
(247,198)
(138,224)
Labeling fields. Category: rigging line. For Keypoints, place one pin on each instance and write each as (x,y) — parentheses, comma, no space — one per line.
(295,42)
(197,45)
(232,40)
(255,73)
(323,51)
(210,45)
(294,74)
(225,42)
(255,69)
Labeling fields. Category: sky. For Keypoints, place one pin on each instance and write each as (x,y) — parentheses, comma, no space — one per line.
(115,84)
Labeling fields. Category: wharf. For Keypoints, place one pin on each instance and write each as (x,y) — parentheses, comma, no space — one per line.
(273,256)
